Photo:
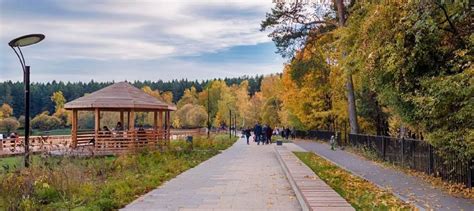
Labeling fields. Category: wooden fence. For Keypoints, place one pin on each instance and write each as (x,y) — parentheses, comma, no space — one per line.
(109,141)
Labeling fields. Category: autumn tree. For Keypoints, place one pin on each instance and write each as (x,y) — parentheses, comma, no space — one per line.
(5,111)
(420,66)
(243,105)
(146,118)
(190,114)
(59,102)
(294,27)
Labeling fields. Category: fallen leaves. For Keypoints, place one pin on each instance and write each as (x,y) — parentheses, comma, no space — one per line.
(359,192)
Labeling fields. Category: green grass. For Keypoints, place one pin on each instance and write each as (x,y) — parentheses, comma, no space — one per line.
(62,131)
(360,193)
(98,183)
(10,163)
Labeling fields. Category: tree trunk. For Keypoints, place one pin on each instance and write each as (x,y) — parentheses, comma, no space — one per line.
(349,84)
(341,12)
(352,105)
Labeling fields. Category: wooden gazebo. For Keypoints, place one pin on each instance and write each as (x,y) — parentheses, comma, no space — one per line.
(126,99)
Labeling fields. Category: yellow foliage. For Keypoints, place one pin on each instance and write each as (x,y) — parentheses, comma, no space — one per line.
(5,111)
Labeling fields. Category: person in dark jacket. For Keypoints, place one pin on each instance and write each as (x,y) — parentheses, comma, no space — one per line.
(264,134)
(287,133)
(257,131)
(269,134)
(247,134)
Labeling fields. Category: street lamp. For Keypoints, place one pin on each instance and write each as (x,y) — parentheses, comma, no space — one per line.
(230,124)
(208,112)
(22,42)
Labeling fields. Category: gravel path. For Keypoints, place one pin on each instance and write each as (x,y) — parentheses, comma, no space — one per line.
(408,187)
(243,177)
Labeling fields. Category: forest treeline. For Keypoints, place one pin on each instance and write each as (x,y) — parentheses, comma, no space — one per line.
(12,93)
(400,68)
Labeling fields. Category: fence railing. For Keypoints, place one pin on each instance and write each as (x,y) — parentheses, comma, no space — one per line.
(409,153)
(112,141)
(417,155)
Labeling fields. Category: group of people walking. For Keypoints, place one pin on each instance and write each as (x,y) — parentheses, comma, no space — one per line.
(263,133)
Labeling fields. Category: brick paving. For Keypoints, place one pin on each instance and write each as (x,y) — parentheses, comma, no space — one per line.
(243,177)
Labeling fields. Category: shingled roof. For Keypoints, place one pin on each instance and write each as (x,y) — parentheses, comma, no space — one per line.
(119,95)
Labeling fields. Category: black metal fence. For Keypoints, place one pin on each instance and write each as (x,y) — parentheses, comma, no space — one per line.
(314,134)
(417,155)
(409,153)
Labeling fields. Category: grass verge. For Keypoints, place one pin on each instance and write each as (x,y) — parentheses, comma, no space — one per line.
(360,193)
(98,183)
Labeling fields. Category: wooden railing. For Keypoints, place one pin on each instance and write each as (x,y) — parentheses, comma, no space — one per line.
(115,141)
(183,133)
(126,140)
(37,143)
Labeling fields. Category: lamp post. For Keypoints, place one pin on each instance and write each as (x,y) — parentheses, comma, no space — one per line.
(17,43)
(235,123)
(230,124)
(208,113)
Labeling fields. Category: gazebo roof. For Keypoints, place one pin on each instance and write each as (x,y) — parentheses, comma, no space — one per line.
(120,95)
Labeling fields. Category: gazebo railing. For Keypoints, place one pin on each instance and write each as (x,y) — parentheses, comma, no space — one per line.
(125,140)
(111,141)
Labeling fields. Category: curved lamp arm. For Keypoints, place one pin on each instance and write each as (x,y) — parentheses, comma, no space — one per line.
(20,57)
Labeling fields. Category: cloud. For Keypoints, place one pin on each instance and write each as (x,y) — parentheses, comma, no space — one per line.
(117,31)
(144,30)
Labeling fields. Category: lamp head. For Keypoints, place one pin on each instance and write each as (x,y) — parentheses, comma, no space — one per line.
(26,40)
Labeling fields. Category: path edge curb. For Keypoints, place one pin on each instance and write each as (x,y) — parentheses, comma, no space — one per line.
(299,195)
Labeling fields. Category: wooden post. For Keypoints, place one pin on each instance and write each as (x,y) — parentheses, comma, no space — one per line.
(160,124)
(74,128)
(155,120)
(155,126)
(168,131)
(97,123)
(128,120)
(131,127)
(121,119)
(131,120)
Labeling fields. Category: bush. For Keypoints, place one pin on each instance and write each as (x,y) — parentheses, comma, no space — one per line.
(9,124)
(45,122)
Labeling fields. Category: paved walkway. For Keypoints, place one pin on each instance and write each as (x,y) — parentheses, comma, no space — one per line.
(240,178)
(408,187)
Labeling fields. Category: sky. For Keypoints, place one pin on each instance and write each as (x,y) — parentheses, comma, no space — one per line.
(137,40)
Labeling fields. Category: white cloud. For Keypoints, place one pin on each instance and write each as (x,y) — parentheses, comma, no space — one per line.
(142,30)
(120,31)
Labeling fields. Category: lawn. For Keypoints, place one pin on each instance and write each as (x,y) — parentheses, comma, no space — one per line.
(62,131)
(360,193)
(98,183)
(10,162)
